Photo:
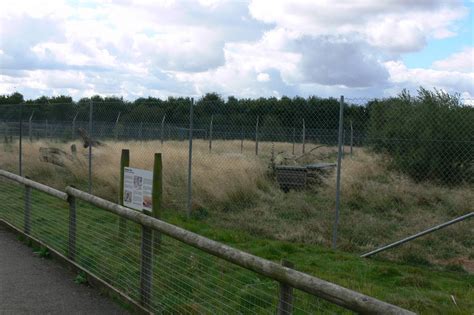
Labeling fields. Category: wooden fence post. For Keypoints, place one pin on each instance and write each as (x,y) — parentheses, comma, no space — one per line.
(124,162)
(27,214)
(285,302)
(150,237)
(146,260)
(157,194)
(72,228)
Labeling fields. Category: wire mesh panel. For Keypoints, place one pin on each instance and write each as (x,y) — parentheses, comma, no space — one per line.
(10,117)
(101,250)
(12,202)
(407,166)
(49,220)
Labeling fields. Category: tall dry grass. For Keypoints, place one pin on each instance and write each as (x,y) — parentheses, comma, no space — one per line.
(216,176)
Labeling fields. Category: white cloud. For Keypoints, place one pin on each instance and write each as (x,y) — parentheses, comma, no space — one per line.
(394,25)
(263,77)
(461,61)
(450,81)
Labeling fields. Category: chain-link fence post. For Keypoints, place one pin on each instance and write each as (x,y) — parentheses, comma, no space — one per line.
(352,137)
(343,143)
(338,176)
(30,127)
(241,139)
(210,133)
(73,131)
(162,132)
(116,126)
(256,137)
(304,137)
(190,158)
(294,140)
(20,143)
(91,108)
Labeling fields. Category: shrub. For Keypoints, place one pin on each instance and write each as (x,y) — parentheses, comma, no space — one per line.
(429,137)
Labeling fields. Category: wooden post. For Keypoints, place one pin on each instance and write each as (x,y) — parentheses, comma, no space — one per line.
(146,260)
(124,162)
(157,194)
(162,135)
(285,302)
(27,214)
(210,133)
(304,136)
(72,228)
(256,137)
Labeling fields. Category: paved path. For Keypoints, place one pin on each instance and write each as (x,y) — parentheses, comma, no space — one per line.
(32,285)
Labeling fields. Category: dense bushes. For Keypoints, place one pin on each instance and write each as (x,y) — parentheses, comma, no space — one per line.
(429,137)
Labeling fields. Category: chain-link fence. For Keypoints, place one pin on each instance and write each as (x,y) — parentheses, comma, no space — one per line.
(268,167)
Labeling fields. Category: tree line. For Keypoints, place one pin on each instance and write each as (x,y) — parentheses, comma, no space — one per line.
(272,112)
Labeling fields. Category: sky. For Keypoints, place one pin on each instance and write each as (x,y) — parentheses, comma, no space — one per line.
(248,49)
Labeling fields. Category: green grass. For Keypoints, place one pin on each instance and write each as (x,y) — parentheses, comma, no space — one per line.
(187,280)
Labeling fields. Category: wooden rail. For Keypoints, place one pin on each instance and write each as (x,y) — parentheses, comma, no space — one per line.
(28,182)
